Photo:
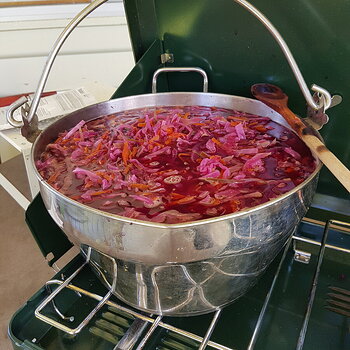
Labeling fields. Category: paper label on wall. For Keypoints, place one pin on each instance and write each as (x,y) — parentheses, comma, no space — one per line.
(56,105)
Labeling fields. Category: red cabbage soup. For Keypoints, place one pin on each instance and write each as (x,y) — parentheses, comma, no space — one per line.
(176,164)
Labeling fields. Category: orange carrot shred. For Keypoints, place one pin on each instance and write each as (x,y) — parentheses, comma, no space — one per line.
(97,193)
(183,200)
(217,142)
(126,152)
(96,151)
(260,128)
(127,168)
(133,152)
(175,195)
(181,155)
(140,186)
(53,177)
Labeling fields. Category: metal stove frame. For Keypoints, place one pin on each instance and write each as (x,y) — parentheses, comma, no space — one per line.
(135,331)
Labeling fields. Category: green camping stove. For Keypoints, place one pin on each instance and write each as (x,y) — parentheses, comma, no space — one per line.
(302,300)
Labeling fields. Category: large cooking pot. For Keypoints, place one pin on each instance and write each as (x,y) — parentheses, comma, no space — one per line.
(177,269)
(173,269)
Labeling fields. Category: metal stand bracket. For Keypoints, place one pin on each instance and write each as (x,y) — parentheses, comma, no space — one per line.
(73,331)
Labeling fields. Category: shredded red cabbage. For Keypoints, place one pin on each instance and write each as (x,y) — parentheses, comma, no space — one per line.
(176,164)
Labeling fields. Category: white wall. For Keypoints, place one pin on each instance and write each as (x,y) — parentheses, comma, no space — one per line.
(98,50)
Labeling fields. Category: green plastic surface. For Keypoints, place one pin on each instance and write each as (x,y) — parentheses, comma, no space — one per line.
(237,51)
(139,79)
(49,237)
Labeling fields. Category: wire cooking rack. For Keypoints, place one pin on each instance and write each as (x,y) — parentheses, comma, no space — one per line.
(136,332)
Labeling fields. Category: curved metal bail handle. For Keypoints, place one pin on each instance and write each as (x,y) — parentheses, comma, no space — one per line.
(325,97)
(53,53)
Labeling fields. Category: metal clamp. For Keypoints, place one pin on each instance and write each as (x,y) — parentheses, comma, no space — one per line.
(11,110)
(179,69)
(318,118)
(30,130)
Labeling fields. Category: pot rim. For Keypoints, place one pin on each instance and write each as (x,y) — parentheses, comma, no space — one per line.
(161,225)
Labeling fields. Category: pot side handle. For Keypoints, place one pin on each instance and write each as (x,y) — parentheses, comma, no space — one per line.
(179,69)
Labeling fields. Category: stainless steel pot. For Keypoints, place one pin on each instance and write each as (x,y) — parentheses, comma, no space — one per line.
(179,269)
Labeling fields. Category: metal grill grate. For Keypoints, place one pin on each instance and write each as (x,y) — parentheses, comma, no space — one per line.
(126,327)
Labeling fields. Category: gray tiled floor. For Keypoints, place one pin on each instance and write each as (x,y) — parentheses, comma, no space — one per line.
(23,270)
(22,267)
